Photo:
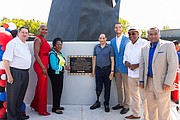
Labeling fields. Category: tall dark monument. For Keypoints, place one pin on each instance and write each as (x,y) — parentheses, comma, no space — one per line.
(82,20)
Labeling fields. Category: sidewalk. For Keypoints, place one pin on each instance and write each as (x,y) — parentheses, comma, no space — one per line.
(82,112)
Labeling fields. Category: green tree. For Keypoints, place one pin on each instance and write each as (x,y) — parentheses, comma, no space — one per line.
(125,25)
(166,27)
(143,34)
(31,24)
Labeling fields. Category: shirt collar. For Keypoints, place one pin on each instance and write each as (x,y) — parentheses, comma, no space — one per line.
(56,51)
(99,45)
(137,42)
(20,41)
(120,37)
(155,44)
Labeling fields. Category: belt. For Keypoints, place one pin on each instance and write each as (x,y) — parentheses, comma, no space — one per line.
(103,68)
(19,69)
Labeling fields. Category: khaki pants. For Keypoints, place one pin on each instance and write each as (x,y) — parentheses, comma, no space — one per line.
(135,94)
(158,103)
(122,83)
(144,103)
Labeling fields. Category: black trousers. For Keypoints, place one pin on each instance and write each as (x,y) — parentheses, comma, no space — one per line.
(102,77)
(57,87)
(15,93)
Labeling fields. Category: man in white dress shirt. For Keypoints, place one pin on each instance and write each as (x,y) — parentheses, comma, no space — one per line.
(131,60)
(17,61)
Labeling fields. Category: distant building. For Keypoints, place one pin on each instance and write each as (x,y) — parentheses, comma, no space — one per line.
(171,34)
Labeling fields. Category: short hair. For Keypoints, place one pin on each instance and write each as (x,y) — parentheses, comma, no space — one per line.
(176,42)
(154,28)
(55,41)
(23,27)
(118,23)
(42,25)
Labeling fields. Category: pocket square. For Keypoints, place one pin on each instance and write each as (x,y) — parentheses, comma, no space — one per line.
(160,52)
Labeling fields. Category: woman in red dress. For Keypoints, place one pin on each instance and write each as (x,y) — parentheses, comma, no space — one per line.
(41,50)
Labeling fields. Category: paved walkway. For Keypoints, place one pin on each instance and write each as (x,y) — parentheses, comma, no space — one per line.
(82,112)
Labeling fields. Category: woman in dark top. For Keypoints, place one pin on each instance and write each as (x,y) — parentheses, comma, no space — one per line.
(56,70)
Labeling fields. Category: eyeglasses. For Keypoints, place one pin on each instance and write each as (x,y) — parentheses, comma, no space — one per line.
(133,33)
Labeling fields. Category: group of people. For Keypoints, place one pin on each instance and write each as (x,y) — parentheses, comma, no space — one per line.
(17,61)
(144,70)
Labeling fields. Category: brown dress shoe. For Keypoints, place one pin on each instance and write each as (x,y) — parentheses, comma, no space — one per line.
(132,117)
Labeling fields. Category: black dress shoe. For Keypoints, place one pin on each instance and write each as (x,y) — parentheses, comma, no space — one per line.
(124,110)
(58,111)
(106,108)
(97,104)
(61,108)
(24,117)
(117,107)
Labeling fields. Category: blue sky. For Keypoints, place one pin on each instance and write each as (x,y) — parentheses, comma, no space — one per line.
(140,13)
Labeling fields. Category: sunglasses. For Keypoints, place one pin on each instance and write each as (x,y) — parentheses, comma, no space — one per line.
(133,33)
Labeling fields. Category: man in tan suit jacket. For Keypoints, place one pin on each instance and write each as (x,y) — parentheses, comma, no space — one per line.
(158,68)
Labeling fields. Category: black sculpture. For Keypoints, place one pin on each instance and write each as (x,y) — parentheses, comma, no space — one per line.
(82,20)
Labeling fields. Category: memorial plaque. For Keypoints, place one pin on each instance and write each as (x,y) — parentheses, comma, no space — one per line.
(80,65)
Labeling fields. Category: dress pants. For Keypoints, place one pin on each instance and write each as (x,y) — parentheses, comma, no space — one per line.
(144,103)
(122,83)
(57,87)
(15,93)
(102,77)
(135,94)
(158,103)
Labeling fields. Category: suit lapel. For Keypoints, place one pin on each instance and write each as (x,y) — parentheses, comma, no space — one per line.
(116,46)
(157,50)
(147,53)
(121,44)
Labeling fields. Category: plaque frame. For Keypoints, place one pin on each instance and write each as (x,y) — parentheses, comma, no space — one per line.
(80,57)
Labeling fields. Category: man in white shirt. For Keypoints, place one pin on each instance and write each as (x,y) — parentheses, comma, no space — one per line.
(17,61)
(131,60)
